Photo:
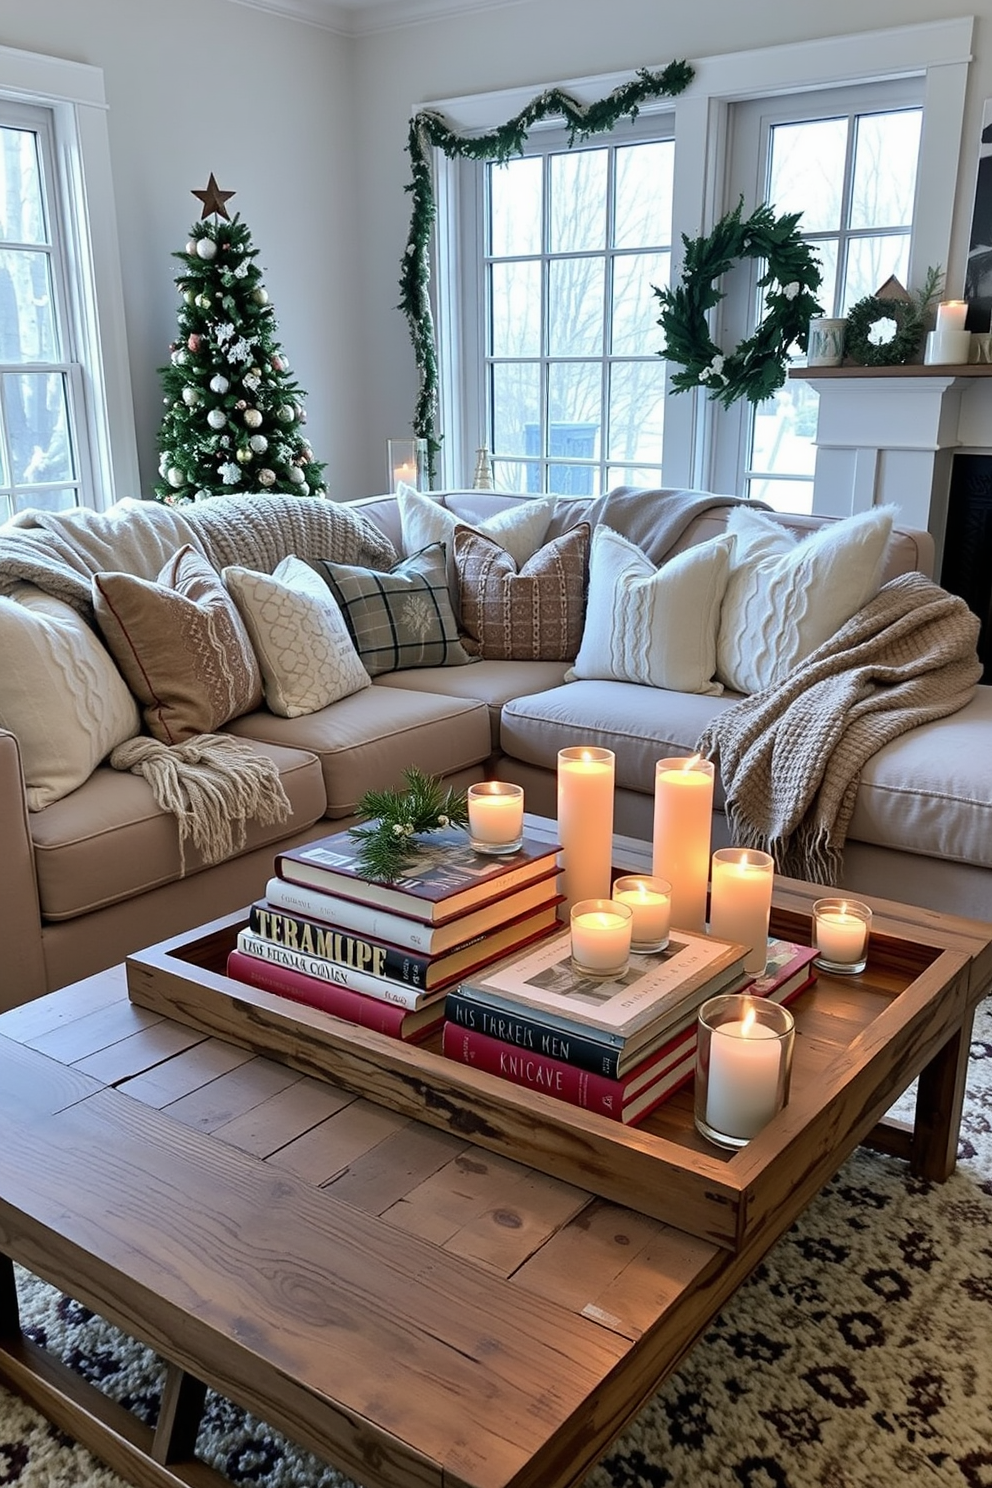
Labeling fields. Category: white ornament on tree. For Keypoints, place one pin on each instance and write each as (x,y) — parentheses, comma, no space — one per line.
(253,418)
(175,477)
(260,296)
(266,477)
(216,418)
(259,443)
(219,384)
(190,397)
(296,475)
(191,247)
(206,249)
(286,413)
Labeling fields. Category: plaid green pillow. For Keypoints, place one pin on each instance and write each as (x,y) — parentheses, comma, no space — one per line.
(399,618)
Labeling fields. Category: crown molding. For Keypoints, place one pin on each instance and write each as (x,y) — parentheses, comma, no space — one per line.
(362,17)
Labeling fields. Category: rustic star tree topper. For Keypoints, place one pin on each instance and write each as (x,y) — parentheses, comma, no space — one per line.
(213,199)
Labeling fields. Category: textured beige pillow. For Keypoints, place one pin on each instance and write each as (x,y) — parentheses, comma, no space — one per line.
(300,637)
(535,614)
(181,646)
(656,626)
(60,693)
(786,597)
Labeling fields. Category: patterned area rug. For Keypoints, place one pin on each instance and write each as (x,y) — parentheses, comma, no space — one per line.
(859,1354)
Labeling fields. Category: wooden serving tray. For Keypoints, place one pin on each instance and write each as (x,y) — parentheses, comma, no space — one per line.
(860,1042)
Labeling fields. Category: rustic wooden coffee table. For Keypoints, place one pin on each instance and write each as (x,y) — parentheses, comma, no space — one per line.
(419,1287)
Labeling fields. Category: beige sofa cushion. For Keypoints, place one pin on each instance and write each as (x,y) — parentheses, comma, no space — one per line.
(494,683)
(108,841)
(367,740)
(60,693)
(181,646)
(301,641)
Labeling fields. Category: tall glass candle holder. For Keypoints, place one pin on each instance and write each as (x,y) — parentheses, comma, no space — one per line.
(585,821)
(406,463)
(495,817)
(741,901)
(743,1066)
(683,822)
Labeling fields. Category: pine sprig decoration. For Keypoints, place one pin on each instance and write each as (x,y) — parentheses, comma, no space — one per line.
(757,367)
(397,818)
(429,131)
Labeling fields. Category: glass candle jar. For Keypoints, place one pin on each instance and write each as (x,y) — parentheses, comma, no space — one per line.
(600,937)
(743,1066)
(841,930)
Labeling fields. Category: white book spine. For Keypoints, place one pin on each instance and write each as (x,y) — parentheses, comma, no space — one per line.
(364,919)
(330,971)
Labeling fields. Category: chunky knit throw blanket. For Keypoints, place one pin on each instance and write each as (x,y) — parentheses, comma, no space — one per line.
(790,758)
(61,551)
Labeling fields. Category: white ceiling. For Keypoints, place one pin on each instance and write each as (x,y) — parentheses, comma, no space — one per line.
(357,17)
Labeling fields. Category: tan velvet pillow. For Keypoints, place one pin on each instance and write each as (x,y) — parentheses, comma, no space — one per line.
(536,614)
(181,646)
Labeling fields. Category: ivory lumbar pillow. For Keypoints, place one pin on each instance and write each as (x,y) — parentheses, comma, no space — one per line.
(303,646)
(656,626)
(60,693)
(786,597)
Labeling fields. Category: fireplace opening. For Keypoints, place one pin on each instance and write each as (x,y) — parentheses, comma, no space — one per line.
(967,565)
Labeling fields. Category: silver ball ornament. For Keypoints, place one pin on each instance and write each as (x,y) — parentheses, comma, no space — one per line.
(216,418)
(296,475)
(286,413)
(175,477)
(191,246)
(206,249)
(260,296)
(219,384)
(190,397)
(258,443)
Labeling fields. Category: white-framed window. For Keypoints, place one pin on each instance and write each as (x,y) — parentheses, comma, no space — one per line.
(66,421)
(923,67)
(573,241)
(847,160)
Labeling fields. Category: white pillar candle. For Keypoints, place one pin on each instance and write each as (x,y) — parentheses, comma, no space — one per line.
(947,348)
(683,818)
(840,936)
(741,901)
(495,812)
(650,903)
(585,822)
(405,474)
(601,935)
(742,1092)
(951,315)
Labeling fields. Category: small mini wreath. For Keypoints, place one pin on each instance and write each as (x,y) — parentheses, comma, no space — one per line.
(755,368)
(897,348)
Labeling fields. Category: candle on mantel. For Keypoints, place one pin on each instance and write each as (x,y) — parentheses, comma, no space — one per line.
(650,901)
(741,901)
(495,814)
(951,315)
(601,936)
(683,817)
(585,822)
(743,1086)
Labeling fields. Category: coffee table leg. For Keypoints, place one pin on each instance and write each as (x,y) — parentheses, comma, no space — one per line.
(10,1322)
(939,1103)
(179,1416)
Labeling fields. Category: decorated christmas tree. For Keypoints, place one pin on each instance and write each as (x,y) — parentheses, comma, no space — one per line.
(234,414)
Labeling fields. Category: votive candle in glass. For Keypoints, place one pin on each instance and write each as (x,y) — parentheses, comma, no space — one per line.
(650,900)
(683,822)
(743,1066)
(841,929)
(495,816)
(600,937)
(585,821)
(741,901)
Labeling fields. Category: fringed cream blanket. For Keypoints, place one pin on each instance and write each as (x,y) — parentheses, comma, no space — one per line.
(790,758)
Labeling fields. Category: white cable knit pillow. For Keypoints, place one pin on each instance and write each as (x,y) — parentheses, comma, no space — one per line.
(60,693)
(657,626)
(304,648)
(786,597)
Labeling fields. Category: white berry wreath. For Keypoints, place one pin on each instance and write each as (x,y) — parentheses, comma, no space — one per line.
(755,368)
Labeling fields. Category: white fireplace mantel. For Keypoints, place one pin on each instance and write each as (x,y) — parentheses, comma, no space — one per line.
(889,434)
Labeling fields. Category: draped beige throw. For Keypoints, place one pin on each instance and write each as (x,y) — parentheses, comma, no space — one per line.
(213,784)
(790,758)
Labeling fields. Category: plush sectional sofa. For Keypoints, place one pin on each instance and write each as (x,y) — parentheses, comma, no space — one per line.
(97,873)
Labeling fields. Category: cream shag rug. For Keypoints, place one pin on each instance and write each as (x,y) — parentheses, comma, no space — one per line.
(858,1356)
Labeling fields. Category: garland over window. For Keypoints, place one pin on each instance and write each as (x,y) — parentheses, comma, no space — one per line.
(428,130)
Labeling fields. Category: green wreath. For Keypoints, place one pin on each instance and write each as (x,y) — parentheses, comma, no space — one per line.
(894,349)
(755,368)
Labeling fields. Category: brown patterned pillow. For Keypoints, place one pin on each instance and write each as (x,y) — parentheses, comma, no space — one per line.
(181,645)
(536,614)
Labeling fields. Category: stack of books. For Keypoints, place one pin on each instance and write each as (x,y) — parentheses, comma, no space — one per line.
(383,955)
(617,1047)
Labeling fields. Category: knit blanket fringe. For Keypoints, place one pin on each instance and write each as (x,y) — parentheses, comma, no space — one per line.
(790,758)
(213,784)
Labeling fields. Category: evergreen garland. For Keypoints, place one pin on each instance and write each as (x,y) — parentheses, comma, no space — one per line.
(425,806)
(755,368)
(429,130)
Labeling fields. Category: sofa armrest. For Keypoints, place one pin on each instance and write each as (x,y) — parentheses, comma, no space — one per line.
(22,970)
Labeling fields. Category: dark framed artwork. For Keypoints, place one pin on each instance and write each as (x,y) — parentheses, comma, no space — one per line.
(978,275)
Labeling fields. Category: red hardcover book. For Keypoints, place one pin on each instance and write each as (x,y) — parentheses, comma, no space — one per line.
(354,1007)
(628,1100)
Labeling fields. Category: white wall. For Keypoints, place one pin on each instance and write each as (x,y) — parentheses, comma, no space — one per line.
(532,42)
(195,86)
